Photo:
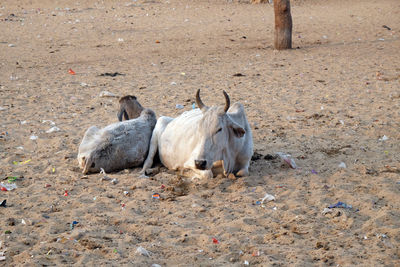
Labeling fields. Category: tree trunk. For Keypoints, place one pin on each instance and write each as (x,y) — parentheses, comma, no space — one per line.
(283,25)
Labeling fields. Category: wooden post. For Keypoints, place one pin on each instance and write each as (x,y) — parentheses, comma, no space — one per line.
(283,25)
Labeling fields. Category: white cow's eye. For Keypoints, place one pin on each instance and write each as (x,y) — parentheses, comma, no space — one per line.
(220,129)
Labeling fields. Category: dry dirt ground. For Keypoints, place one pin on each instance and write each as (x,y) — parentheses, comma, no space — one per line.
(333,99)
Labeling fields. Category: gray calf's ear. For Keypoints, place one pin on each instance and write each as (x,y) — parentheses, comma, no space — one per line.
(119,115)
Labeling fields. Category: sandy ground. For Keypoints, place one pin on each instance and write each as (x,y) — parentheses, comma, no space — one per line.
(332,100)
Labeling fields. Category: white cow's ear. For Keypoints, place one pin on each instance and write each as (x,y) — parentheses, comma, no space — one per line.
(238,131)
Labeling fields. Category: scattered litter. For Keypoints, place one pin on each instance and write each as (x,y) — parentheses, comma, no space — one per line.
(193,106)
(326,211)
(173,83)
(215,241)
(126,193)
(50,121)
(155,265)
(21,162)
(274,208)
(267,198)
(258,202)
(84,84)
(238,75)
(111,74)
(381,39)
(288,159)
(162,186)
(179,106)
(20,147)
(123,205)
(120,40)
(3,203)
(386,27)
(246,263)
(47,185)
(340,205)
(183,74)
(2,108)
(143,251)
(33,137)
(7,187)
(23,222)
(342,165)
(156,196)
(157,41)
(384,138)
(341,122)
(23,122)
(107,94)
(314,171)
(72,225)
(66,193)
(53,129)
(256,253)
(11,179)
(324,36)
(70,71)
(114,181)
(322,108)
(11,45)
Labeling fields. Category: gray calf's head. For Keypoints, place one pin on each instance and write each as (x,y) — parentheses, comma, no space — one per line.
(215,134)
(129,108)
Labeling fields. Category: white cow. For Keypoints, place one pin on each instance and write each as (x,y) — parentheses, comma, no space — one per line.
(200,138)
(118,146)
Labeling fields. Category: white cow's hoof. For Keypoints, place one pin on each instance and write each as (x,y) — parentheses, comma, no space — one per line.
(242,173)
(143,176)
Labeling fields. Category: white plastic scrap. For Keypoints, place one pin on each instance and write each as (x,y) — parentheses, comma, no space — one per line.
(326,211)
(288,159)
(53,129)
(268,198)
(107,94)
(342,165)
(2,108)
(246,263)
(155,265)
(142,251)
(51,122)
(384,138)
(179,106)
(9,187)
(33,137)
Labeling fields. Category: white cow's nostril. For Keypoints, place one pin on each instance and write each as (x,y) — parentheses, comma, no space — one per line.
(200,164)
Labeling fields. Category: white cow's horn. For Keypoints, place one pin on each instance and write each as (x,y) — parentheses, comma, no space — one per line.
(199,103)
(227,101)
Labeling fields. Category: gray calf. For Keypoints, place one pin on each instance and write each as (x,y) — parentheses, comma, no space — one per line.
(118,146)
